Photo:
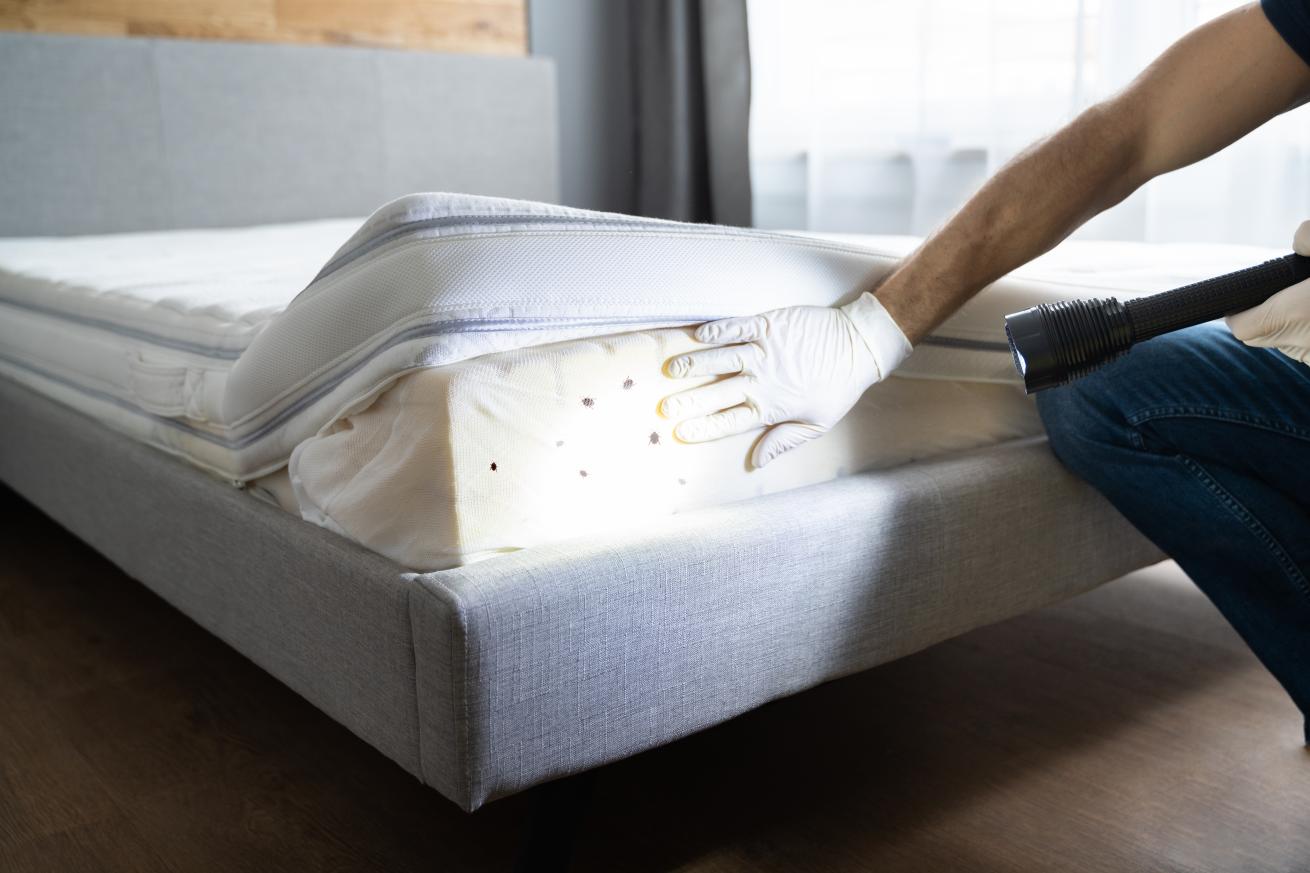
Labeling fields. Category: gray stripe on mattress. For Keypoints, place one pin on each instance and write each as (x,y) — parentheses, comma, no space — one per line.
(309,398)
(132,332)
(106,397)
(478,221)
(621,222)
(486,325)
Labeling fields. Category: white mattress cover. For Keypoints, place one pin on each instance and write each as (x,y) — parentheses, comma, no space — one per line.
(191,341)
(140,330)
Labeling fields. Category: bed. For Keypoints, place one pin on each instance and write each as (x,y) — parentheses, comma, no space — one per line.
(537,631)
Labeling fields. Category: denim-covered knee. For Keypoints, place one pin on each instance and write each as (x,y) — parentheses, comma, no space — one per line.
(1179,368)
(1083,421)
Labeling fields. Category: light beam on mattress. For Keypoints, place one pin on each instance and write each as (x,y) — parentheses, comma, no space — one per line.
(545,444)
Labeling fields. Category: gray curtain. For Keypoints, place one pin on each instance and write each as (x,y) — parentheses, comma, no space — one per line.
(690,63)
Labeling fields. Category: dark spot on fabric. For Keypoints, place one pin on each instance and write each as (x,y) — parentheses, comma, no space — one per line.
(559,443)
(654,438)
(493,466)
(582,473)
(627,383)
(588,402)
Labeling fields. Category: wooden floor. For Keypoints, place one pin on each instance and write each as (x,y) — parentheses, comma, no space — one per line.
(1125,730)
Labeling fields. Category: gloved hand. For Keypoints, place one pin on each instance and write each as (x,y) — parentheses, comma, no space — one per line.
(796,370)
(1282,321)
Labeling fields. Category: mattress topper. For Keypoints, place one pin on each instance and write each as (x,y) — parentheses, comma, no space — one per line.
(197,341)
(433,279)
(206,291)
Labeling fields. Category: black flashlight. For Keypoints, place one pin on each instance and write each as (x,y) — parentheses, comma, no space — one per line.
(1056,343)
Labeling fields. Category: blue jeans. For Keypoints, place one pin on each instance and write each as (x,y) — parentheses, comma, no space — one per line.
(1204,445)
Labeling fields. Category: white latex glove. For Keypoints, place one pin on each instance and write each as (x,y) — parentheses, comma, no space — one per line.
(796,370)
(1283,321)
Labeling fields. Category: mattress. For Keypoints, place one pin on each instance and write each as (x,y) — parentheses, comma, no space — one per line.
(540,445)
(423,386)
(141,330)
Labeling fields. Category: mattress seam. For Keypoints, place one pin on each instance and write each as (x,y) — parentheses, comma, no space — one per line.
(93,323)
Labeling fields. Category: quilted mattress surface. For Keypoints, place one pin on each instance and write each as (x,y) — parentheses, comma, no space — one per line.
(393,363)
(141,330)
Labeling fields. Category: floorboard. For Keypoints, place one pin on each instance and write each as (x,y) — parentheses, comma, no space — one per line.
(1128,729)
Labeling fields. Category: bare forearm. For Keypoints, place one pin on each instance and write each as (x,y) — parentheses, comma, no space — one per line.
(1209,89)
(1033,203)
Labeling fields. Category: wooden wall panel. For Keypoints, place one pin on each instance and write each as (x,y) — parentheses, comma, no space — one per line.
(483,26)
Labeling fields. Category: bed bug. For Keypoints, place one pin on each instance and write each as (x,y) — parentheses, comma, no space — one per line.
(582,473)
(493,466)
(588,402)
(628,383)
(654,438)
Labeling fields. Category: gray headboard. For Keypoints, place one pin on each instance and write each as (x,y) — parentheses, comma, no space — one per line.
(100,135)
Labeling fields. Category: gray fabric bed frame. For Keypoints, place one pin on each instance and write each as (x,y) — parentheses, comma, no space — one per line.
(485,680)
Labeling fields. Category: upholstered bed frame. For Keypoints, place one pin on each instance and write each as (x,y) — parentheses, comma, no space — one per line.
(488,679)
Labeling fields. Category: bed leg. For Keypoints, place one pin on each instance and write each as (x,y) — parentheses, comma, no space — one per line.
(558,808)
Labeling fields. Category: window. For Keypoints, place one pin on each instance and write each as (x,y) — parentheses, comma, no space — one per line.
(882,116)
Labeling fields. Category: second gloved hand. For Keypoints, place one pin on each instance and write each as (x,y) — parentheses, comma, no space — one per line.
(1282,321)
(796,370)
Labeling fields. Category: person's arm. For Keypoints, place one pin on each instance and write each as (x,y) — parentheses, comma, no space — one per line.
(799,370)
(1212,87)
